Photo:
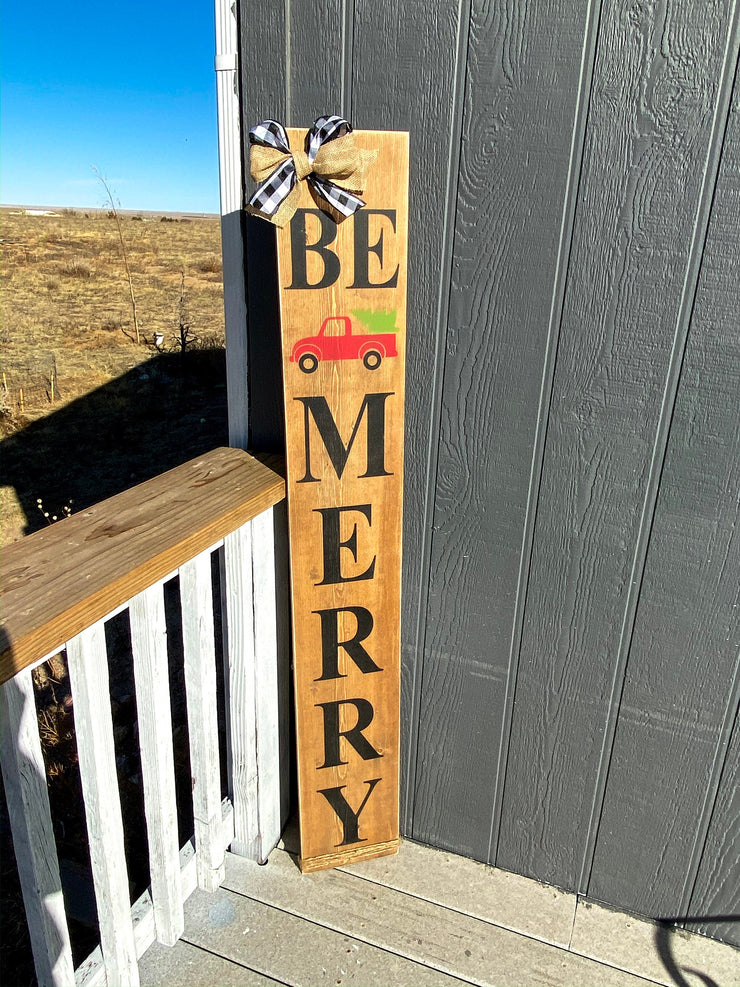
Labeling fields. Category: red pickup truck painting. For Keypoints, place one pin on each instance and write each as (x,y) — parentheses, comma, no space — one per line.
(336,341)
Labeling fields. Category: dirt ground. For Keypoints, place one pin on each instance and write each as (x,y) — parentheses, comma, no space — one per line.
(85,409)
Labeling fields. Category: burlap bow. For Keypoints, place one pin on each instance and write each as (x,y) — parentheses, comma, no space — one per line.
(331,164)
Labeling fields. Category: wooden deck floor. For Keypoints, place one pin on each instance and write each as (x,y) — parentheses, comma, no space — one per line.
(424,918)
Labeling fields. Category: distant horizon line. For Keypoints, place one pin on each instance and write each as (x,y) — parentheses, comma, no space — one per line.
(105,209)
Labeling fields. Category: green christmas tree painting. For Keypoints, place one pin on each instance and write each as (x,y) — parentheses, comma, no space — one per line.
(384,320)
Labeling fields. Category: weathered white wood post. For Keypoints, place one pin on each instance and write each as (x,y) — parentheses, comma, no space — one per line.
(249,606)
(88,675)
(24,776)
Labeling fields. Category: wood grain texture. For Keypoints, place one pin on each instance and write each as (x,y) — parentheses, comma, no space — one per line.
(263,45)
(91,972)
(266,677)
(240,695)
(189,966)
(60,580)
(657,81)
(88,676)
(291,950)
(316,54)
(666,764)
(199,657)
(253,696)
(549,306)
(24,782)
(408,65)
(470,887)
(508,247)
(342,858)
(452,942)
(264,48)
(715,902)
(154,717)
(367,483)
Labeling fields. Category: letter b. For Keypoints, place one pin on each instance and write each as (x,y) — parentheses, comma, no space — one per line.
(299,248)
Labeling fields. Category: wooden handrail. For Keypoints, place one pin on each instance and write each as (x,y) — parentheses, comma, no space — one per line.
(59,581)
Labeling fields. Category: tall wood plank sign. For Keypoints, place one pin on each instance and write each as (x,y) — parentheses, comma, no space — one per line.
(343,312)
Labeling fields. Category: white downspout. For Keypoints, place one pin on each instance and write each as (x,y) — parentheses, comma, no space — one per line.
(232,244)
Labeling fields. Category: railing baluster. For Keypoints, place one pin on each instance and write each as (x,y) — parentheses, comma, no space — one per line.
(266,679)
(24,776)
(121,547)
(251,694)
(196,598)
(88,673)
(149,648)
(240,683)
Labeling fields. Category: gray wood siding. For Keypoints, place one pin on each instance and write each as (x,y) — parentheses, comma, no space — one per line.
(571,560)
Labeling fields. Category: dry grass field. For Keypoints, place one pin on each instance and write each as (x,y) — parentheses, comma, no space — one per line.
(84,410)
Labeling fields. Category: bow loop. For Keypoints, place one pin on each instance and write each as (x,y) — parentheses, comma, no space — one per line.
(333,166)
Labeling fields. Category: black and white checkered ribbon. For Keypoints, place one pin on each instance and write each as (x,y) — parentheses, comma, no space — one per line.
(269,196)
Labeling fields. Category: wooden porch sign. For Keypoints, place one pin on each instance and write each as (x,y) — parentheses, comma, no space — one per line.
(343,315)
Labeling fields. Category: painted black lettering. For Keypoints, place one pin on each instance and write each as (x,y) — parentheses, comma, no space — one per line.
(332,546)
(318,408)
(363,248)
(347,815)
(330,643)
(354,735)
(299,248)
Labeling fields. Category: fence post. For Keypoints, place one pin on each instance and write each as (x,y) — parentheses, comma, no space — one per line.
(24,776)
(88,675)
(151,675)
(200,686)
(251,686)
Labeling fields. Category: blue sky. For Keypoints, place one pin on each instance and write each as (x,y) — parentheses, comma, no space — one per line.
(127,87)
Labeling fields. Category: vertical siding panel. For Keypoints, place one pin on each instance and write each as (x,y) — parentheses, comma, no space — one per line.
(521,98)
(651,122)
(716,899)
(317,52)
(264,48)
(675,719)
(408,73)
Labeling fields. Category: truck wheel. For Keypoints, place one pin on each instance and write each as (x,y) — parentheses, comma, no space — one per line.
(372,359)
(308,363)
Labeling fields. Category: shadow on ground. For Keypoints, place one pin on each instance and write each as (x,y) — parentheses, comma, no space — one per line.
(151,419)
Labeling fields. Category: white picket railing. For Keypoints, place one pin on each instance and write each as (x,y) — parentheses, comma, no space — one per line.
(60,586)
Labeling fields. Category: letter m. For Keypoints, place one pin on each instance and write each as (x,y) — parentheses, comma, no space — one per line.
(318,409)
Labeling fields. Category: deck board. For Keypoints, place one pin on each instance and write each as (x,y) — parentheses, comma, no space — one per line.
(450,943)
(185,965)
(422,918)
(294,950)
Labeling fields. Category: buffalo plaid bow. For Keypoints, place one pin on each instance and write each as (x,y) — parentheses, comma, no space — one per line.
(331,164)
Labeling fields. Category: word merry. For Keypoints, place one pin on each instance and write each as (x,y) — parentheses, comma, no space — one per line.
(345,561)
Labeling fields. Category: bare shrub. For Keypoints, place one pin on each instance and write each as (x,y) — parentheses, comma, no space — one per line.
(209,265)
(76,269)
(113,214)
